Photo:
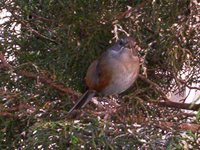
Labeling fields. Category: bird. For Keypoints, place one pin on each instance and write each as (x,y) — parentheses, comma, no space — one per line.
(113,72)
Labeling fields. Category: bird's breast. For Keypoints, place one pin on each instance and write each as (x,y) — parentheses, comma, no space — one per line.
(123,72)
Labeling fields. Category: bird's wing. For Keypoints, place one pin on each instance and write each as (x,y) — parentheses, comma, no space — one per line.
(98,75)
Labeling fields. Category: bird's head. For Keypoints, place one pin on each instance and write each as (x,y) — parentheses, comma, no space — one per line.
(126,44)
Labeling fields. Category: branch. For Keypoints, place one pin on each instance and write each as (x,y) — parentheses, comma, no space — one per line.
(42,18)
(155,87)
(7,115)
(185,83)
(194,107)
(4,65)
(128,12)
(184,126)
(40,77)
(40,35)
(58,86)
(167,102)
(28,27)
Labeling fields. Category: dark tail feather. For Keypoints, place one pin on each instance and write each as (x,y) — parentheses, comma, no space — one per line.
(83,100)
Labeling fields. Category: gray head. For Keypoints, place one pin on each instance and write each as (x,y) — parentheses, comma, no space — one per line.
(125,44)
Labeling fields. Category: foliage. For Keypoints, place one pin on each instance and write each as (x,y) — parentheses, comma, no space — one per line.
(56,42)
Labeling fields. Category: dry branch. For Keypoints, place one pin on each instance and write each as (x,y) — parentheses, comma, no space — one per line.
(128,12)
(42,78)
(189,106)
(184,126)
(155,87)
(58,86)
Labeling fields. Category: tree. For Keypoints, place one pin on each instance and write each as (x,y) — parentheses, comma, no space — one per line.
(46,48)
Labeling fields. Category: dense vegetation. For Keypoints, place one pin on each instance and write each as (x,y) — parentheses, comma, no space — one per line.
(46,47)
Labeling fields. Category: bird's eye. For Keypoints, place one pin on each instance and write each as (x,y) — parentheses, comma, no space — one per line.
(121,42)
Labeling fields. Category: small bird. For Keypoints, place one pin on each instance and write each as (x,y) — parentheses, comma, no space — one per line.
(113,72)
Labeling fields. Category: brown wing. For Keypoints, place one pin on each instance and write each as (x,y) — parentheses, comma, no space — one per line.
(98,76)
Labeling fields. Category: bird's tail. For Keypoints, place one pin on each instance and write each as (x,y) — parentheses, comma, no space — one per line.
(83,100)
